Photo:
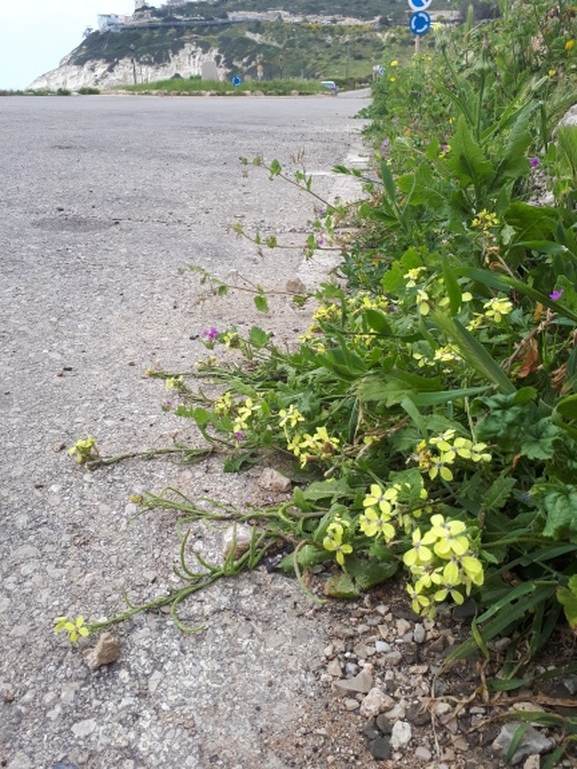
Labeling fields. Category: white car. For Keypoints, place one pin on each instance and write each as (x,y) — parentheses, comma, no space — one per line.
(331,86)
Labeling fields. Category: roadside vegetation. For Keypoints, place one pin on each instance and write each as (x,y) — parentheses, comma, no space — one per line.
(196,86)
(429,414)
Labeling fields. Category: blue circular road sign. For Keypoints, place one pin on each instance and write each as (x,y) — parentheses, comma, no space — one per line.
(420,22)
(419,5)
(236,81)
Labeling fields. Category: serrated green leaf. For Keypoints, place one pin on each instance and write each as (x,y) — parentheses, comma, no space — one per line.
(258,337)
(342,586)
(498,493)
(560,505)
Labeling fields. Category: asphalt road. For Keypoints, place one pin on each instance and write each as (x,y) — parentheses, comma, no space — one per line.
(104,203)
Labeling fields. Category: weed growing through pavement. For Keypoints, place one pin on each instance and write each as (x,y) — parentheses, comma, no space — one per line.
(430,410)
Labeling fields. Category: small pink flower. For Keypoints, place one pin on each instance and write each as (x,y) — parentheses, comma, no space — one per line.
(210,334)
(556,294)
(533,162)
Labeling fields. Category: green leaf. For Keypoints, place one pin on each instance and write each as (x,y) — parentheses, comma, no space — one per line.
(393,281)
(567,407)
(377,321)
(342,586)
(473,351)
(560,505)
(453,288)
(539,439)
(261,303)
(568,601)
(258,337)
(388,182)
(498,493)
(467,160)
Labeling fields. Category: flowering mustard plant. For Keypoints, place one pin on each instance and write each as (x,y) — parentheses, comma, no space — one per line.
(85,450)
(75,628)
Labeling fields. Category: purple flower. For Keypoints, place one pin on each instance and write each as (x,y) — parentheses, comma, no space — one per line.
(554,295)
(533,162)
(320,242)
(211,334)
(239,436)
(385,146)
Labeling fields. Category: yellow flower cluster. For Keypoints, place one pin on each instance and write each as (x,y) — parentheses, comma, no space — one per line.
(244,414)
(442,564)
(75,628)
(224,405)
(436,454)
(386,510)
(333,542)
(290,417)
(319,445)
(173,382)
(497,308)
(485,220)
(85,450)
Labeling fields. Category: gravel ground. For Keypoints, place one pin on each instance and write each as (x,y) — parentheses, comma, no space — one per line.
(105,203)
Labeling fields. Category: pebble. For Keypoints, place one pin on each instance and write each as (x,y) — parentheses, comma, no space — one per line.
(363,683)
(237,536)
(272,480)
(380,748)
(531,742)
(334,668)
(376,702)
(401,734)
(423,754)
(84,728)
(106,651)
(419,634)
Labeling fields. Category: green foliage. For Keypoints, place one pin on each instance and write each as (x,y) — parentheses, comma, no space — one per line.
(431,406)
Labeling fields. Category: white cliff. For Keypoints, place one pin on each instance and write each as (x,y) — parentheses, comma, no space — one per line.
(102,74)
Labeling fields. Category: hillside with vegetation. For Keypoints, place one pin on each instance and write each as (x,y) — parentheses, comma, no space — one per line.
(338,40)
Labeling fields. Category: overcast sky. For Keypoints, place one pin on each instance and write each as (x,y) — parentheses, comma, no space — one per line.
(36,34)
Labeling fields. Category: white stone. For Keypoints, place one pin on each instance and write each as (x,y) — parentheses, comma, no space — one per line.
(84,728)
(376,702)
(401,735)
(237,536)
(272,480)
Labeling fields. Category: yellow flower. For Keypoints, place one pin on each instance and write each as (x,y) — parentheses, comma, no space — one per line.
(392,79)
(420,603)
(496,308)
(377,497)
(552,72)
(75,628)
(569,45)
(335,545)
(423,302)
(450,537)
(394,63)
(419,554)
(290,416)
(85,450)
(372,524)
(223,405)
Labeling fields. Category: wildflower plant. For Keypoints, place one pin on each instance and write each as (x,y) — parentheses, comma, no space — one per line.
(429,413)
